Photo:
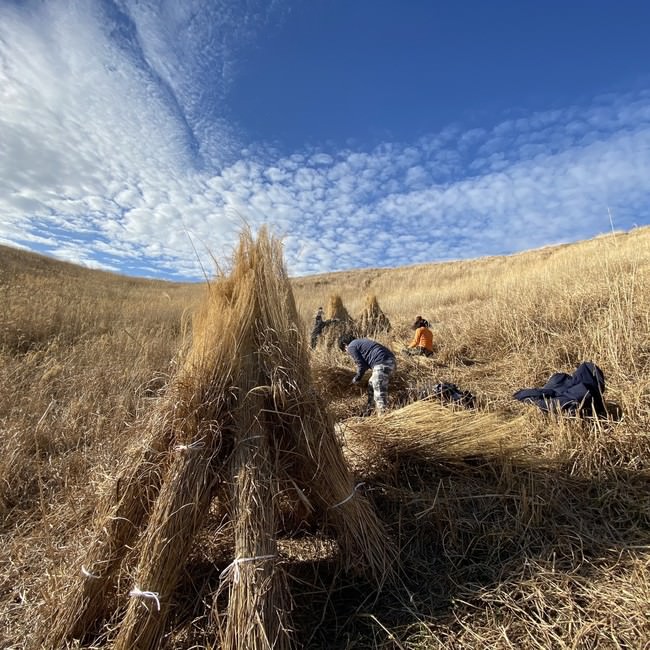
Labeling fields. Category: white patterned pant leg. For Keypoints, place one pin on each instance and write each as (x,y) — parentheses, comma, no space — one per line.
(379,382)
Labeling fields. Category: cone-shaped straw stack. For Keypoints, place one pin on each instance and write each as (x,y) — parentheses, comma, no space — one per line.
(373,321)
(242,415)
(336,309)
(344,323)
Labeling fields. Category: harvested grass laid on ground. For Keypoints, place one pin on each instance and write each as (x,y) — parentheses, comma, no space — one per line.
(336,381)
(429,431)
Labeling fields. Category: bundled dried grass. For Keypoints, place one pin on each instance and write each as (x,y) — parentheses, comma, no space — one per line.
(333,381)
(84,600)
(245,416)
(429,431)
(324,477)
(179,512)
(344,323)
(373,321)
(336,309)
(259,600)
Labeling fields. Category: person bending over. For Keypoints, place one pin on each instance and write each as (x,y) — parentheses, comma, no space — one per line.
(370,355)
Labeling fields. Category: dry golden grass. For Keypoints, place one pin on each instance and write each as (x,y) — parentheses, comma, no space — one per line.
(372,321)
(545,544)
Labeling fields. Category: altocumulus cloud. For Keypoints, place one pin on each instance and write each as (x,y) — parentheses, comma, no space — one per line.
(114,153)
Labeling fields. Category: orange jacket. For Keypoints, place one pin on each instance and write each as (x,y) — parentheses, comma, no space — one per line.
(423,339)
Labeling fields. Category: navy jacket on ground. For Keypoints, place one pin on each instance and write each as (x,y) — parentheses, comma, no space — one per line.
(368,354)
(580,393)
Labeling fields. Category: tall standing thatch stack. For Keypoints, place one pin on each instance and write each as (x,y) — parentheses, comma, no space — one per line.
(336,309)
(343,322)
(373,321)
(241,414)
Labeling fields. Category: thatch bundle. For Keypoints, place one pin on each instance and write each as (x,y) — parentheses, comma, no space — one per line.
(179,511)
(336,309)
(333,381)
(123,511)
(343,323)
(241,415)
(259,601)
(428,431)
(372,321)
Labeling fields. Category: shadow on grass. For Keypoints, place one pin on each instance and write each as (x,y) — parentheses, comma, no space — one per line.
(462,528)
(466,527)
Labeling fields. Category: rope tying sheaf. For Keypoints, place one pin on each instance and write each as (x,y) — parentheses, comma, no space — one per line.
(231,572)
(150,595)
(87,574)
(347,498)
(197,444)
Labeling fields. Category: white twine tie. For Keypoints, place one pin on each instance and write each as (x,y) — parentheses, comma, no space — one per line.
(150,595)
(347,498)
(231,572)
(197,444)
(87,574)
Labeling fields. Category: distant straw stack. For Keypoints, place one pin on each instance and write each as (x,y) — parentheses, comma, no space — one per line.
(335,309)
(344,322)
(373,321)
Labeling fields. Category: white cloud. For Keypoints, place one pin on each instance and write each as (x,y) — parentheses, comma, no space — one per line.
(113,153)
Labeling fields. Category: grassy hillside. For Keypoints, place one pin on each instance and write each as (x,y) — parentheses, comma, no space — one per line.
(550,548)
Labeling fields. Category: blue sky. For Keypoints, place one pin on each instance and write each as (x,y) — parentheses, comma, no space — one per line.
(140,136)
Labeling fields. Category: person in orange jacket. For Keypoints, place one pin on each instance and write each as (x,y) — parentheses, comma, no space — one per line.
(422,343)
